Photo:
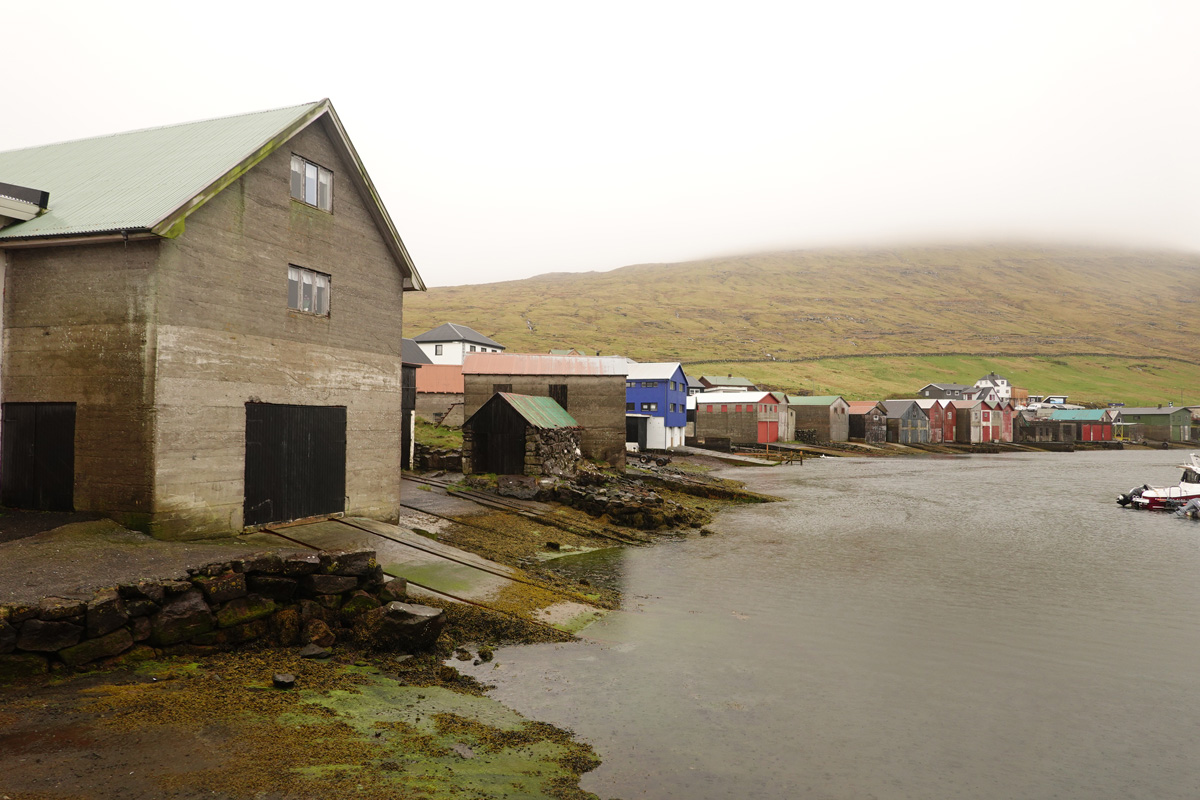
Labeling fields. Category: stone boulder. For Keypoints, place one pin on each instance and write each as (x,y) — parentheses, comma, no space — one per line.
(89,650)
(48,637)
(522,487)
(8,637)
(182,617)
(222,588)
(400,627)
(105,613)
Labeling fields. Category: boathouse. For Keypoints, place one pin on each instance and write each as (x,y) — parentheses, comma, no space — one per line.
(820,418)
(1162,424)
(868,421)
(201,327)
(907,422)
(740,417)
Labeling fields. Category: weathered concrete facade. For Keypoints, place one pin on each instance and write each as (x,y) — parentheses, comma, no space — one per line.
(444,408)
(162,342)
(827,418)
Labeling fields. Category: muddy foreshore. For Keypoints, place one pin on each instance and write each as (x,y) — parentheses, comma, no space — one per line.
(204,723)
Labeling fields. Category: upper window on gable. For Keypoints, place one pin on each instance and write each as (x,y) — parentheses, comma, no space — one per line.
(312,184)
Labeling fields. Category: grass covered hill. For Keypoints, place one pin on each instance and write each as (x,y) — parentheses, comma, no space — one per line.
(801,306)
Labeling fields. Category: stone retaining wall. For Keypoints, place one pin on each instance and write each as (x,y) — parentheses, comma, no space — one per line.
(304,598)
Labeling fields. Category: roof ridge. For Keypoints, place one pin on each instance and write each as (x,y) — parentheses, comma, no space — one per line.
(163,127)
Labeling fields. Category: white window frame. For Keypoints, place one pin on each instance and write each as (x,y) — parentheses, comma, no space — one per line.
(312,184)
(309,291)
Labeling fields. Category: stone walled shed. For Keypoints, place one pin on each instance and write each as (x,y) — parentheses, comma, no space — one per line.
(201,326)
(515,434)
(589,388)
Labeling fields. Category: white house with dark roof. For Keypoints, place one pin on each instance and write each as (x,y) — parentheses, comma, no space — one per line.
(450,343)
(1000,384)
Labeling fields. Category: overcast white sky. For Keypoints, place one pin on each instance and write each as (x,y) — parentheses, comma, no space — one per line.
(514,138)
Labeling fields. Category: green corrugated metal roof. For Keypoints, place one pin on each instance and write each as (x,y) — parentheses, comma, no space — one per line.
(133,181)
(1078,414)
(540,412)
(812,400)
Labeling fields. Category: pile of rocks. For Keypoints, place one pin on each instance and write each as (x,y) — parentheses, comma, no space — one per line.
(305,598)
(426,458)
(626,504)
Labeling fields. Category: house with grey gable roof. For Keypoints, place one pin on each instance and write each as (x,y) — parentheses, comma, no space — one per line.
(201,326)
(943,391)
(450,343)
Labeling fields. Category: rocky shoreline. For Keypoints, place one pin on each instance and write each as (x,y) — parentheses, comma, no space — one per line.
(335,632)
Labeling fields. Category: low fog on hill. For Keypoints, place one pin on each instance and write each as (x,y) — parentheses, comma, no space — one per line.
(801,304)
(509,140)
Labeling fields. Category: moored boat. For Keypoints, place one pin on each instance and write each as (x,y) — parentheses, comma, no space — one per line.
(1166,498)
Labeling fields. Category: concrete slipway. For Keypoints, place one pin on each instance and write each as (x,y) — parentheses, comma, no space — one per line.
(101,554)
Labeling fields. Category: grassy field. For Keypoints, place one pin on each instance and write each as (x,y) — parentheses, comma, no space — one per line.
(1046,316)
(1097,380)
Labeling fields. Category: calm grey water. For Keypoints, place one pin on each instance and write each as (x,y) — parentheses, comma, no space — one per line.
(986,627)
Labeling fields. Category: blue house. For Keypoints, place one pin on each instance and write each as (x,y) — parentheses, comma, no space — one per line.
(655,405)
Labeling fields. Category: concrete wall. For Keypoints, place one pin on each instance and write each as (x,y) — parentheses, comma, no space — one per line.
(597,402)
(451,405)
(78,329)
(738,427)
(226,337)
(829,425)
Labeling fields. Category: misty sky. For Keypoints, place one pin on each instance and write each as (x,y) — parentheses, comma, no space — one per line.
(510,139)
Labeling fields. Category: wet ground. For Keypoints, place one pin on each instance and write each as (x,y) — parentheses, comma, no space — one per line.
(218,729)
(358,725)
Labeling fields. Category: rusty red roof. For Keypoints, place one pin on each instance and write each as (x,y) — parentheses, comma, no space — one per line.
(440,379)
(537,364)
(863,406)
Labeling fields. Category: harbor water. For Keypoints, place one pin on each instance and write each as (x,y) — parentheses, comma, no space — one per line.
(976,627)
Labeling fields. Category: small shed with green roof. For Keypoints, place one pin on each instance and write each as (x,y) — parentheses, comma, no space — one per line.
(519,434)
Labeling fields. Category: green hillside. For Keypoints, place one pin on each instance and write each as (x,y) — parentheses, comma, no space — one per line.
(880,312)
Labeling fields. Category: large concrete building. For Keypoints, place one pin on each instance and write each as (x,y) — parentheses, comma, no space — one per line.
(589,388)
(201,326)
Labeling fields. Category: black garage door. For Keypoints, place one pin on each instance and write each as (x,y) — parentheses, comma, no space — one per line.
(295,462)
(37,456)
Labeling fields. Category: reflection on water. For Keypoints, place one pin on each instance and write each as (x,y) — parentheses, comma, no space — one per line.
(985,627)
(602,568)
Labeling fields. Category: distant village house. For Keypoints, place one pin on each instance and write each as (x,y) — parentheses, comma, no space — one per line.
(451,343)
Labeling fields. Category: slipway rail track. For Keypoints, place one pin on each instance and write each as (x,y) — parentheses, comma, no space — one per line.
(525,509)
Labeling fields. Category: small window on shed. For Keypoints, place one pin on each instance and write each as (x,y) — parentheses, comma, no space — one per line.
(437,349)
(558,393)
